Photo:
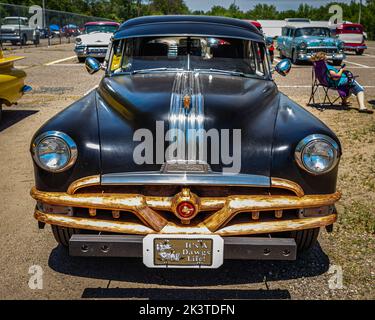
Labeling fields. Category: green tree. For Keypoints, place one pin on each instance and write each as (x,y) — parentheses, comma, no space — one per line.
(165,7)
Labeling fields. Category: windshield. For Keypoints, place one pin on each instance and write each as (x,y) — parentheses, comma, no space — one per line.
(205,54)
(14,21)
(317,32)
(353,28)
(101,28)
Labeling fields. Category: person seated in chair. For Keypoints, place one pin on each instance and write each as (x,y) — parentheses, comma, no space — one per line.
(340,78)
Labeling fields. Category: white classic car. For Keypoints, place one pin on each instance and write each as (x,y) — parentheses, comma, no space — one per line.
(17,30)
(95,40)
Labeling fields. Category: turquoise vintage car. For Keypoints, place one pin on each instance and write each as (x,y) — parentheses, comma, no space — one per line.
(300,42)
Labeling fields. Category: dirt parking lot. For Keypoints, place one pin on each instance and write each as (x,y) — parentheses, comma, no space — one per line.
(58,80)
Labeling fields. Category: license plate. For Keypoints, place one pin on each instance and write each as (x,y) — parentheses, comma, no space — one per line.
(183,251)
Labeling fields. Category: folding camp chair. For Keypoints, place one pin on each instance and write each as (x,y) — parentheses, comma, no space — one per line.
(320,75)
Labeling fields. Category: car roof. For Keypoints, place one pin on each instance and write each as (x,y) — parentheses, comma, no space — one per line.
(175,25)
(352,24)
(255,23)
(95,23)
(22,18)
(304,25)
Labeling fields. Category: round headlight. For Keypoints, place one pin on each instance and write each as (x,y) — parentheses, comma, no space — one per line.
(54,151)
(302,45)
(78,40)
(317,154)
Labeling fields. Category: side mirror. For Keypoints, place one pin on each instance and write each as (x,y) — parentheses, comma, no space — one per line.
(92,65)
(283,67)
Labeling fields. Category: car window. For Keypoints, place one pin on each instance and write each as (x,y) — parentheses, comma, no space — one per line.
(353,28)
(226,55)
(14,21)
(100,28)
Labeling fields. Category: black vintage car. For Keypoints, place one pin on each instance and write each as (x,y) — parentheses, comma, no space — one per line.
(187,153)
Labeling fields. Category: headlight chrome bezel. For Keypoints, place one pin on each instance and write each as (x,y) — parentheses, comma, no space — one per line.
(68,141)
(302,46)
(303,144)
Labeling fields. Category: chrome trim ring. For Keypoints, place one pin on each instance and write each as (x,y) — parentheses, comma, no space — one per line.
(307,141)
(73,151)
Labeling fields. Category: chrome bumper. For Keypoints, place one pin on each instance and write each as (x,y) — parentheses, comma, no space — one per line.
(265,211)
(239,248)
(10,37)
(335,56)
(359,47)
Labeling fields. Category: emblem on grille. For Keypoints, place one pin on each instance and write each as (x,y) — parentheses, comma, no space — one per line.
(187,102)
(185,205)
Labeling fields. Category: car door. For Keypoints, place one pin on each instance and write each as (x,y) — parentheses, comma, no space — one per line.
(281,40)
(289,42)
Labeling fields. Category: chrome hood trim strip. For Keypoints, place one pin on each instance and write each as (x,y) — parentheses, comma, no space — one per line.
(182,118)
(210,179)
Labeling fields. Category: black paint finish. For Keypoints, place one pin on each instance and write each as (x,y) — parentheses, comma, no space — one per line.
(188,25)
(293,124)
(137,102)
(80,122)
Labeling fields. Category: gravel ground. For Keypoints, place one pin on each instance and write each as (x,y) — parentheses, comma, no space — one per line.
(350,248)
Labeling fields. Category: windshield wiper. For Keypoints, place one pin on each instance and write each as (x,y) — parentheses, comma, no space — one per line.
(155,70)
(232,73)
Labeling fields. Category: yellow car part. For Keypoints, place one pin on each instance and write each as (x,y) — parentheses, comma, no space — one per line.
(11,80)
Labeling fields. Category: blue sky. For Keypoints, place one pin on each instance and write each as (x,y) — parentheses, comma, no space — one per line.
(248,4)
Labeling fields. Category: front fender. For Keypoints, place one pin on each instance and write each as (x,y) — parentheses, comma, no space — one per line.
(293,124)
(80,122)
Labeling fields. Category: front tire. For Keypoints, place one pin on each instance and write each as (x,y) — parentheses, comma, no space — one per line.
(62,235)
(24,40)
(305,239)
(37,40)
(295,58)
(359,52)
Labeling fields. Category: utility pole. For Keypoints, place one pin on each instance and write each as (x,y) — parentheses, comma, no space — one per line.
(44,14)
(360,11)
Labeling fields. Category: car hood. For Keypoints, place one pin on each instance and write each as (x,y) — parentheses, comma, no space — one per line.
(11,26)
(99,38)
(128,103)
(320,41)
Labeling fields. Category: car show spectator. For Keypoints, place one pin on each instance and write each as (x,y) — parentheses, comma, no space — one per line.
(341,78)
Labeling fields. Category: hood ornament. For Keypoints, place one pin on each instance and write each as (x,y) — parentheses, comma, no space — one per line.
(187,102)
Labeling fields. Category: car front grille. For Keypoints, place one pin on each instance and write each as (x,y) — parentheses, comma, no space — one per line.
(320,49)
(7,31)
(97,49)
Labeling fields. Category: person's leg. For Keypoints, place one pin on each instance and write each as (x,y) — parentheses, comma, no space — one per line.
(358,90)
(361,100)
(344,101)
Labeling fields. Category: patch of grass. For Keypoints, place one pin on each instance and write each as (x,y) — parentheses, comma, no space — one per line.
(359,216)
